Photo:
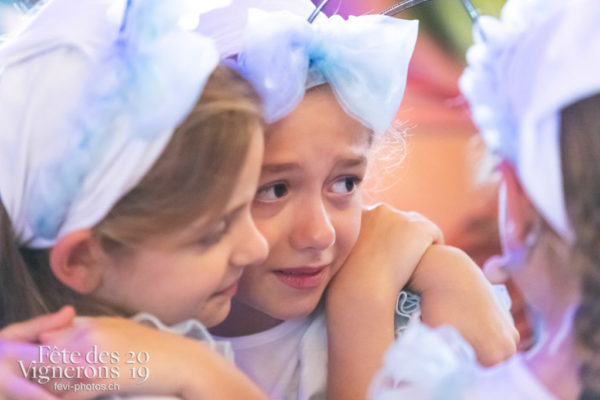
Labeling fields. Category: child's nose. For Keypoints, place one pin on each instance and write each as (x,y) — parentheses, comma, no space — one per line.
(313,229)
(252,247)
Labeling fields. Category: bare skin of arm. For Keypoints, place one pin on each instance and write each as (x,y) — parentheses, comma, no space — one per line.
(361,300)
(177,366)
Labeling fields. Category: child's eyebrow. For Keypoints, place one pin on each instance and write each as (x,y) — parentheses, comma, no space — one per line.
(352,162)
(275,168)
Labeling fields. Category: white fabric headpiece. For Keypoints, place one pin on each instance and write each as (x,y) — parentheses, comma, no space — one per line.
(541,56)
(227,25)
(90,92)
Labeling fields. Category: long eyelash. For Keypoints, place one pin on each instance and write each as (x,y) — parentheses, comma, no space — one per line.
(271,185)
(357,180)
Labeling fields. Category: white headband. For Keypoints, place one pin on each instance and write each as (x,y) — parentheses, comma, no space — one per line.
(541,56)
(90,92)
(227,25)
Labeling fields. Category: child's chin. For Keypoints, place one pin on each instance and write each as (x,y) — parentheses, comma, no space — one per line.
(298,309)
(215,316)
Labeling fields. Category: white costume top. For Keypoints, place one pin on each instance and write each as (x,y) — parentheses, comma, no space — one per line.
(289,361)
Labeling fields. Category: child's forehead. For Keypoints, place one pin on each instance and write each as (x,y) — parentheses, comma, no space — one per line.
(320,109)
(319,92)
(314,142)
(317,126)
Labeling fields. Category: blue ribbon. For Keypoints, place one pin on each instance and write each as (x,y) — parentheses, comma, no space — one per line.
(364,59)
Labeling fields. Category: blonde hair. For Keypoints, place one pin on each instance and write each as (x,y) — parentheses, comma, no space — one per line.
(193,177)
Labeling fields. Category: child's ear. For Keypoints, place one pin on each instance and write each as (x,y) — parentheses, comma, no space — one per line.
(76,261)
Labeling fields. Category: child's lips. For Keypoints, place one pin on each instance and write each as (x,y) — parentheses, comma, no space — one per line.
(302,278)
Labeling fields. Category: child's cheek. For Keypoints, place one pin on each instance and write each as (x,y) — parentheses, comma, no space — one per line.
(348,231)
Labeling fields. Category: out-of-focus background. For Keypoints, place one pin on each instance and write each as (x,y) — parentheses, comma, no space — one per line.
(435,171)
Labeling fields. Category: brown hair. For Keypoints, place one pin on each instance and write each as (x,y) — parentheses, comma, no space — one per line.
(193,177)
(580,144)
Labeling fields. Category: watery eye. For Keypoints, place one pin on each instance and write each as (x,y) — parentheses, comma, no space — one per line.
(272,192)
(345,185)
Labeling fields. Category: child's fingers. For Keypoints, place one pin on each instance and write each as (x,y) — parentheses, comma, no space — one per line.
(30,330)
(426,225)
(60,319)
(77,333)
(17,351)
(56,337)
(13,387)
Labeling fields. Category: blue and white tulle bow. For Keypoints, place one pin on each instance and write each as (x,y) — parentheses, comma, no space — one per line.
(90,93)
(364,59)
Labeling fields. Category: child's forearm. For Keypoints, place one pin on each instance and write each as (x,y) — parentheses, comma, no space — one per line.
(207,375)
(445,268)
(174,365)
(357,341)
(361,299)
(360,325)
(455,292)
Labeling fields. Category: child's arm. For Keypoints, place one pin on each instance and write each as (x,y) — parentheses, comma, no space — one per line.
(177,366)
(361,300)
(454,291)
(18,343)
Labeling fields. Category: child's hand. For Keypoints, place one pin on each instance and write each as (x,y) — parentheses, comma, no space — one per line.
(175,366)
(13,385)
(17,343)
(455,292)
(29,331)
(389,247)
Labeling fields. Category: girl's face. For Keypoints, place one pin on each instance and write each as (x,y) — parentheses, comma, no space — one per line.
(308,205)
(192,273)
(530,255)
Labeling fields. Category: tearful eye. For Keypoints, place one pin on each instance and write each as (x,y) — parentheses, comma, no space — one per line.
(272,192)
(345,185)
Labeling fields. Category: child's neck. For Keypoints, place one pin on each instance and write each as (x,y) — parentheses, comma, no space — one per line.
(244,320)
